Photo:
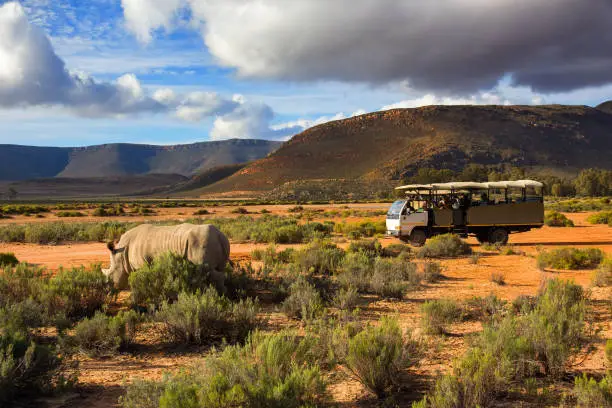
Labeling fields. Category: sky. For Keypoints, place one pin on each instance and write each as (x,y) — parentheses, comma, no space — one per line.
(75,73)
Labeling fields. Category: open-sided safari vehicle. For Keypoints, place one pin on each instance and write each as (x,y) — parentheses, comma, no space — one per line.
(490,211)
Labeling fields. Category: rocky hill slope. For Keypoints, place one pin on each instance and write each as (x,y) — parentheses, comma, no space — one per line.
(392,145)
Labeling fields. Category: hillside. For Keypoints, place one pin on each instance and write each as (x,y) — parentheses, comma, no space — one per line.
(113,160)
(393,144)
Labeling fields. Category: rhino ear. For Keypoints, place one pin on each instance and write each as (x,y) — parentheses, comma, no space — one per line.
(111,246)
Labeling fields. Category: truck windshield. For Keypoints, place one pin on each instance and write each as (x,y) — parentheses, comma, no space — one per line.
(396,209)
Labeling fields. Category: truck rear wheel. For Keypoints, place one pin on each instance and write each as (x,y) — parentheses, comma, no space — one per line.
(418,237)
(498,236)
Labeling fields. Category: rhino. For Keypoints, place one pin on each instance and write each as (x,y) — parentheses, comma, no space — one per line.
(201,244)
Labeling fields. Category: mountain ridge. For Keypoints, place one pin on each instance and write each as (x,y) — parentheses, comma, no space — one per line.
(394,144)
(19,162)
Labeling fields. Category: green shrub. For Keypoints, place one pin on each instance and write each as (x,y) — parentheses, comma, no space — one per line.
(26,368)
(319,257)
(202,211)
(346,298)
(104,335)
(556,219)
(608,351)
(199,318)
(604,217)
(68,214)
(8,259)
(54,232)
(603,275)
(362,228)
(19,283)
(296,209)
(487,309)
(371,248)
(108,211)
(164,278)
(378,355)
(590,393)
(240,210)
(19,317)
(570,258)
(77,292)
(523,304)
(444,246)
(432,272)
(356,271)
(392,277)
(437,314)
(304,300)
(395,250)
(498,278)
(269,371)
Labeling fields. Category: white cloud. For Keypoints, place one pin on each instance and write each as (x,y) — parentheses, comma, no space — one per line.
(32,75)
(144,15)
(455,46)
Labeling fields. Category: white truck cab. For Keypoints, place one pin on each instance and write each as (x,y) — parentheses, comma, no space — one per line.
(402,218)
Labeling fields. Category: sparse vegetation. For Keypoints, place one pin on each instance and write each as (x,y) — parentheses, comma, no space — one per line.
(437,314)
(201,317)
(590,393)
(570,258)
(304,300)
(202,211)
(602,276)
(392,278)
(444,246)
(604,217)
(498,278)
(556,219)
(432,272)
(70,214)
(284,376)
(378,355)
(104,335)
(8,259)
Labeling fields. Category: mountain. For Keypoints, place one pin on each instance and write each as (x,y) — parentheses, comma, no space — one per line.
(394,144)
(606,107)
(116,160)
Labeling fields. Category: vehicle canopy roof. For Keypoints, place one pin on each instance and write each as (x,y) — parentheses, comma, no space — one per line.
(471,185)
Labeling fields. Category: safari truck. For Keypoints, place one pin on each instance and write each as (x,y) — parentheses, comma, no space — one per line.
(489,211)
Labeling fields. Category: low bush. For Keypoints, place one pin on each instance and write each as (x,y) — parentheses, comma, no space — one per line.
(104,335)
(20,283)
(108,211)
(392,277)
(498,278)
(54,232)
(570,258)
(487,309)
(608,351)
(371,248)
(604,217)
(556,219)
(23,209)
(437,314)
(296,209)
(69,214)
(602,276)
(346,298)
(319,257)
(523,304)
(444,246)
(270,229)
(432,272)
(201,317)
(240,210)
(304,300)
(8,259)
(270,256)
(395,250)
(202,211)
(77,292)
(26,368)
(356,271)
(378,355)
(264,211)
(164,278)
(362,228)
(590,393)
(269,371)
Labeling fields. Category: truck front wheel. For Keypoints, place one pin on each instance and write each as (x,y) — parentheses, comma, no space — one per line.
(498,236)
(482,237)
(418,237)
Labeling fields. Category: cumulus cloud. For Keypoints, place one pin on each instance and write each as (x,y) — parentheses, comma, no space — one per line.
(251,120)
(31,74)
(454,46)
(144,15)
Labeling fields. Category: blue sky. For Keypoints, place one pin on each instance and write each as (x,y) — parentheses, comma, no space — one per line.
(262,77)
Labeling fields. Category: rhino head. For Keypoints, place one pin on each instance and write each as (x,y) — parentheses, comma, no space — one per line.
(118,270)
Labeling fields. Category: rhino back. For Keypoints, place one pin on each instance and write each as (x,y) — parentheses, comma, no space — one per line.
(201,244)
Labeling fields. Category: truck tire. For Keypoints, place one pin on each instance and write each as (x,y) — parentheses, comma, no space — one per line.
(418,237)
(498,236)
(482,237)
